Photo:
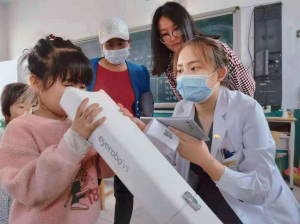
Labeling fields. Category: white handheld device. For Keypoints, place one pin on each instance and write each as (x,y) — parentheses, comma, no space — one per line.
(163,139)
(184,124)
(139,165)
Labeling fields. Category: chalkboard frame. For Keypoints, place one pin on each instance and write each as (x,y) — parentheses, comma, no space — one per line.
(236,36)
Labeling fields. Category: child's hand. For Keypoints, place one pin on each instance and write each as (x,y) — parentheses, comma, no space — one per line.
(125,111)
(84,117)
(137,121)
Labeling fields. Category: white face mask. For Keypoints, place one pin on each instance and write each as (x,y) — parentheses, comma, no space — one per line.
(117,57)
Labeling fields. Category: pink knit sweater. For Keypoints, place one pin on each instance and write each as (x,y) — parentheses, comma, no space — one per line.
(49,181)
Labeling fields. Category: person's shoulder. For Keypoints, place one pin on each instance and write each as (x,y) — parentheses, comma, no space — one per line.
(136,66)
(145,72)
(94,61)
(19,123)
(182,103)
(225,46)
(240,101)
(141,69)
(229,52)
(182,106)
(18,130)
(145,69)
(30,126)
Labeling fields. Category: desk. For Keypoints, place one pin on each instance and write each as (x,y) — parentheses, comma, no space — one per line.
(291,148)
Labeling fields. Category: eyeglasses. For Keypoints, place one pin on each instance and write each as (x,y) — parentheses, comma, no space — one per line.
(166,38)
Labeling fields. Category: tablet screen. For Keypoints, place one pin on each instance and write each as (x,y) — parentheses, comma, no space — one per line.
(187,125)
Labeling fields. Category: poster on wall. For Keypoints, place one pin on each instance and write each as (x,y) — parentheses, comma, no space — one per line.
(8,74)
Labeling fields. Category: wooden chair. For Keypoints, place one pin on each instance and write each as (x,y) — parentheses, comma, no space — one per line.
(103,195)
(278,157)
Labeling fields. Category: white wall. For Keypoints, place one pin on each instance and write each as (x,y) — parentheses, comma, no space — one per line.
(29,20)
(291,54)
(3,33)
(8,72)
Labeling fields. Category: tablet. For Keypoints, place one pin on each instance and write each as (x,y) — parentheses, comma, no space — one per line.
(187,125)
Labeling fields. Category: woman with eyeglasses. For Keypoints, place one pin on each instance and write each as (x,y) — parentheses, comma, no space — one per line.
(172,25)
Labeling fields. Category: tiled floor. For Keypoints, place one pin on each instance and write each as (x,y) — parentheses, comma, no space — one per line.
(140,215)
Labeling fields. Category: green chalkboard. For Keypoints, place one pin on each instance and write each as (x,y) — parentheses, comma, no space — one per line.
(221,25)
(140,51)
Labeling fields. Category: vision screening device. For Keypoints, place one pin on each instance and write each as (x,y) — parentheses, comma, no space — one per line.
(139,164)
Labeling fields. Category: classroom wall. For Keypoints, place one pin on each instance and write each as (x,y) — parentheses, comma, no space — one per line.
(8,74)
(291,54)
(29,20)
(3,33)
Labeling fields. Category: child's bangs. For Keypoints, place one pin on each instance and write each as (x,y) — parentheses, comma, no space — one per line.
(73,66)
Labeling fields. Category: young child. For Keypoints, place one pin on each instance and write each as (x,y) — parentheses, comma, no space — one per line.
(46,163)
(13,105)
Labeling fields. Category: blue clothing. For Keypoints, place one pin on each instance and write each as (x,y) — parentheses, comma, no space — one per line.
(140,80)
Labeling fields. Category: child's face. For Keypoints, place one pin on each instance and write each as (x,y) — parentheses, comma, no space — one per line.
(189,64)
(19,109)
(50,97)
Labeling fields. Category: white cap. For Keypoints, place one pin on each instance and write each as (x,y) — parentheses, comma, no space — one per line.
(113,28)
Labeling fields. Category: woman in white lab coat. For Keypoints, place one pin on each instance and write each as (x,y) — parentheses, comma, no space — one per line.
(246,175)
(235,173)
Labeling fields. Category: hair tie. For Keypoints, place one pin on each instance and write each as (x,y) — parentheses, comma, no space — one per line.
(52,37)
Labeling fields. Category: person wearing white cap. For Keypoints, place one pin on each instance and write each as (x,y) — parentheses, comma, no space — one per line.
(126,83)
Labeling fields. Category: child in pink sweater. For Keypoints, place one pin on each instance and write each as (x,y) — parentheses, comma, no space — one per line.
(46,163)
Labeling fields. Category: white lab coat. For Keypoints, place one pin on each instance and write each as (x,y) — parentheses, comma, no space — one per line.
(257,194)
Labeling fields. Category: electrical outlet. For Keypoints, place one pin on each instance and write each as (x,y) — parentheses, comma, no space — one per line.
(267,109)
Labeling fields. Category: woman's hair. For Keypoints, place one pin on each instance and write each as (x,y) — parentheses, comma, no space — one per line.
(11,94)
(53,58)
(210,53)
(178,14)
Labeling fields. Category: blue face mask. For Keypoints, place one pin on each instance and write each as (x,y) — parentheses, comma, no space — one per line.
(194,88)
(117,57)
